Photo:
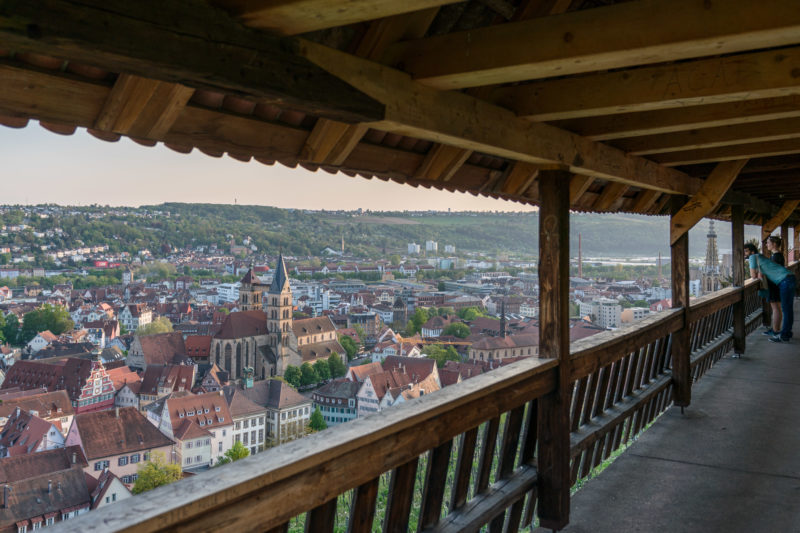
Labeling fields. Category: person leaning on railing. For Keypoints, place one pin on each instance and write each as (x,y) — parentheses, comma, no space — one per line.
(780,276)
(774,245)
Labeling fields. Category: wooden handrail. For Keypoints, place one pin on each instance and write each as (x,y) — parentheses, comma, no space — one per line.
(266,490)
(592,353)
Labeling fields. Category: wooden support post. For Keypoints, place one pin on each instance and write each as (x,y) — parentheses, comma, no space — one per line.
(737,245)
(681,374)
(797,242)
(554,426)
(785,242)
(766,310)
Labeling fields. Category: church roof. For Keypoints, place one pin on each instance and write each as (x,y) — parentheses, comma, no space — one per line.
(280,279)
(250,278)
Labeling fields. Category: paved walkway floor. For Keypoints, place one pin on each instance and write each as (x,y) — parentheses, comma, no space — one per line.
(731,463)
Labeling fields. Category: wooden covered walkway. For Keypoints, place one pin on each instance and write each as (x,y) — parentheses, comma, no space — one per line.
(730,463)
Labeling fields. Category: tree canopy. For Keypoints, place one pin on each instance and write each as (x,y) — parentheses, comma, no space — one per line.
(47,317)
(337,367)
(293,376)
(322,369)
(317,422)
(308,376)
(156,472)
(237,451)
(441,354)
(349,345)
(159,325)
(457,329)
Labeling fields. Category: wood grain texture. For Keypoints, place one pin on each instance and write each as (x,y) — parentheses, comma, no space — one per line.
(554,423)
(679,265)
(209,50)
(583,41)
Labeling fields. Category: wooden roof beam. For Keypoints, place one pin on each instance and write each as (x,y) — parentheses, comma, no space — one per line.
(750,76)
(578,186)
(469,123)
(727,153)
(596,39)
(293,17)
(773,130)
(609,196)
(645,200)
(706,200)
(442,162)
(780,217)
(517,179)
(141,107)
(331,141)
(209,50)
(624,125)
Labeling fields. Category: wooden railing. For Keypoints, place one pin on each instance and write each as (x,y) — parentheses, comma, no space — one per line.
(457,460)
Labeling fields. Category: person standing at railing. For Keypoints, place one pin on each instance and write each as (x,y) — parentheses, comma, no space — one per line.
(774,245)
(780,276)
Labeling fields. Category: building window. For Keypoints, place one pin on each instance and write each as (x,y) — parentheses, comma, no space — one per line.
(189,444)
(123,461)
(220,447)
(237,425)
(260,435)
(246,424)
(51,521)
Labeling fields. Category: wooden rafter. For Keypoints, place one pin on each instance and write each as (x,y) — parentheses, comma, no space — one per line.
(622,125)
(518,178)
(645,200)
(727,153)
(210,51)
(598,39)
(747,77)
(294,17)
(331,142)
(780,217)
(707,198)
(774,130)
(140,107)
(461,120)
(611,193)
(578,185)
(442,162)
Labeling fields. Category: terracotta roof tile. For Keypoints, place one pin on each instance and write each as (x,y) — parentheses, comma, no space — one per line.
(103,433)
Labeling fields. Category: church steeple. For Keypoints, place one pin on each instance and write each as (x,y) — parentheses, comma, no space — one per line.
(279,309)
(709,278)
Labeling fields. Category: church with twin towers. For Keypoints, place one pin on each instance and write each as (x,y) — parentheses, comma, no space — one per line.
(263,338)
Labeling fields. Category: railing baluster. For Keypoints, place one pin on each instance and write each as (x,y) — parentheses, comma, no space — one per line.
(613,370)
(591,397)
(508,452)
(401,495)
(527,458)
(577,406)
(488,446)
(435,481)
(321,519)
(362,510)
(623,376)
(602,391)
(466,453)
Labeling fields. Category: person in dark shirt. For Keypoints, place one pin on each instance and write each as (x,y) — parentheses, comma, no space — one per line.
(775,247)
(760,266)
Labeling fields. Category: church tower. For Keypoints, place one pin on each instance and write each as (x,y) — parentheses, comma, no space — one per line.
(279,310)
(710,281)
(250,292)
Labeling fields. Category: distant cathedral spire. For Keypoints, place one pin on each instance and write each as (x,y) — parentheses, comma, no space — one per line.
(710,279)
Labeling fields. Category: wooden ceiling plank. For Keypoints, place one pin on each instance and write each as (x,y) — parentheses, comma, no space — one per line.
(578,185)
(750,76)
(773,130)
(780,217)
(624,125)
(442,162)
(302,16)
(598,39)
(610,194)
(211,50)
(728,153)
(645,200)
(460,120)
(707,198)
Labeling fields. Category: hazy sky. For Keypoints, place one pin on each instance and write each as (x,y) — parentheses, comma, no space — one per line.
(38,166)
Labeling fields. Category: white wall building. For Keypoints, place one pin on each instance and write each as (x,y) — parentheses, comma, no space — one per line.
(431,246)
(413,248)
